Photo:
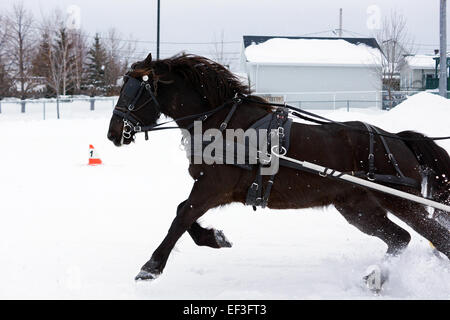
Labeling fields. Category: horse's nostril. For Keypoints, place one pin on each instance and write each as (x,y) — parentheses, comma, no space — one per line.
(110,136)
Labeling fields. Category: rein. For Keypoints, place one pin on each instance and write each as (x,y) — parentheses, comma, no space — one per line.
(134,89)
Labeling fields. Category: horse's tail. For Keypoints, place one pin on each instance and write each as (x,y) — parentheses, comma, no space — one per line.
(434,160)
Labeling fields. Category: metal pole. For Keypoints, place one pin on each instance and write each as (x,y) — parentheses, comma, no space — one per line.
(443,50)
(43,110)
(157,33)
(340,23)
(57,106)
(376,99)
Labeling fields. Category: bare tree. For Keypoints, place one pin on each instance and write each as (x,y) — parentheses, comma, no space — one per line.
(20,44)
(5,79)
(4,30)
(396,43)
(79,40)
(59,54)
(218,53)
(119,52)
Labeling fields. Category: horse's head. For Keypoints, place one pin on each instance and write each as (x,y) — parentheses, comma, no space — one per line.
(179,87)
(139,104)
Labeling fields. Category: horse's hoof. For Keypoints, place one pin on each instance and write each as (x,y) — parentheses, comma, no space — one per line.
(146,276)
(221,240)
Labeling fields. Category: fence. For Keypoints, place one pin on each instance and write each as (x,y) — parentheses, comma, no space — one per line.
(327,100)
(333,100)
(77,106)
(56,108)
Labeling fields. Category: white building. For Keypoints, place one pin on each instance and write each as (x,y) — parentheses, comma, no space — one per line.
(314,72)
(416,70)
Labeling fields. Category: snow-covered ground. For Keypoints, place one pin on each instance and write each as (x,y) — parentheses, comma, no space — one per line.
(68,230)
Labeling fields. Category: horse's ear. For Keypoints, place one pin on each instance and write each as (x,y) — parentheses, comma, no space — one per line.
(148,60)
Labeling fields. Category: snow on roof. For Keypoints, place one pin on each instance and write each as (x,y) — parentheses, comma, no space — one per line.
(421,61)
(313,51)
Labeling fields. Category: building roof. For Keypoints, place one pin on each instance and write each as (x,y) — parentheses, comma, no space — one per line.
(371,42)
(312,50)
(421,61)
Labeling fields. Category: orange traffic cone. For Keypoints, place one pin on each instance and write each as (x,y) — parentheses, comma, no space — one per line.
(93,157)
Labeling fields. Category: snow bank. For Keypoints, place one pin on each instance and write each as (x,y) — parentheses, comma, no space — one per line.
(423,112)
(312,51)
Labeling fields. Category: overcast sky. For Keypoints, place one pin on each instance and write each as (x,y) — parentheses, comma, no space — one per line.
(187,21)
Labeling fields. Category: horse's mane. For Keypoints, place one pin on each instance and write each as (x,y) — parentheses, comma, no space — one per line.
(210,79)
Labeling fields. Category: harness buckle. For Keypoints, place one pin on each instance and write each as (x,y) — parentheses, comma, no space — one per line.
(131,107)
(323,174)
(127,129)
(137,129)
(223,126)
(263,161)
(281,131)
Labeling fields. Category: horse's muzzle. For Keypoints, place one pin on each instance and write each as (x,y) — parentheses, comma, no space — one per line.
(115,131)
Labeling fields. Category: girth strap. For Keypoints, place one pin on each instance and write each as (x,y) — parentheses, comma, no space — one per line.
(279,120)
(390,154)
(400,179)
(370,174)
(255,191)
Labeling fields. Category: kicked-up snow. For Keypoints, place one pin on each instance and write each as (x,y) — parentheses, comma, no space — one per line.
(71,231)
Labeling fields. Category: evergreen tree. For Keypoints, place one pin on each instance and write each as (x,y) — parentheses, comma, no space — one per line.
(96,68)
(6,82)
(42,64)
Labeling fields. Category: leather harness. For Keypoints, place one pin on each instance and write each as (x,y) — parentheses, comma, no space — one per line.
(277,120)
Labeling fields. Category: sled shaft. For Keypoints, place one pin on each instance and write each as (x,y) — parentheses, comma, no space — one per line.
(327,172)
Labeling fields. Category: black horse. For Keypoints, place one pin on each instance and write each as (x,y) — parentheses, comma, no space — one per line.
(187,85)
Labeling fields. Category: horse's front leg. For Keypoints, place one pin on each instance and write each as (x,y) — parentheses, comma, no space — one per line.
(200,200)
(206,237)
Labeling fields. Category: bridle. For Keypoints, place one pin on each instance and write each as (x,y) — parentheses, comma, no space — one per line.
(131,93)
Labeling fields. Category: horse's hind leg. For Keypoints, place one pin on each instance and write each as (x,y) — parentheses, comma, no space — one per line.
(206,237)
(366,214)
(417,218)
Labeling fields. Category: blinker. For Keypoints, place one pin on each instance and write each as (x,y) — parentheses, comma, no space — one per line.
(130,91)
